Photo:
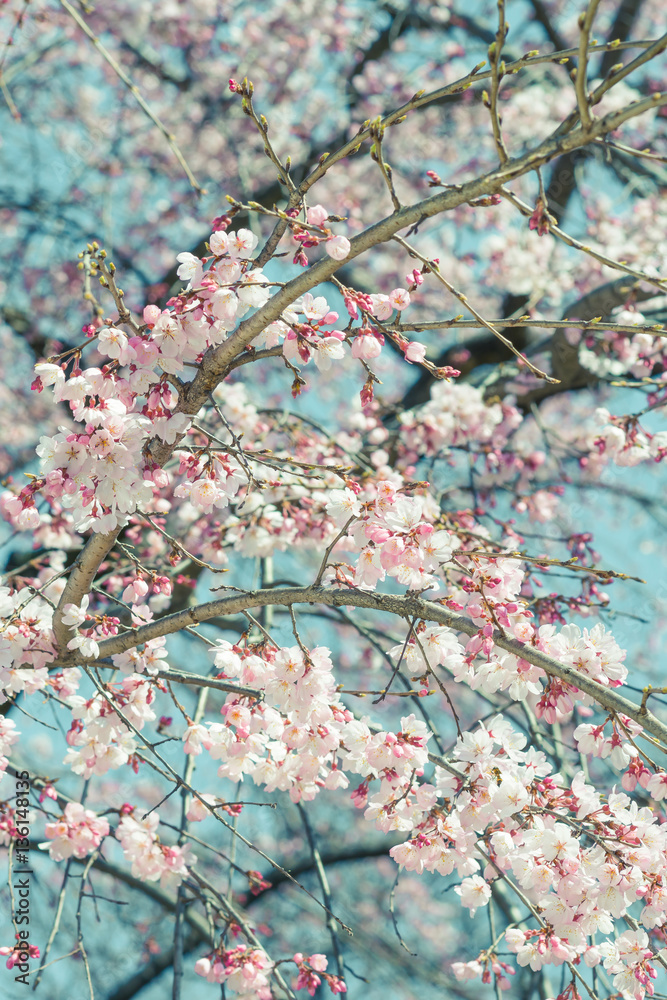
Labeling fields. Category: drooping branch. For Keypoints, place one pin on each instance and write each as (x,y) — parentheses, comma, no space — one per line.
(134,90)
(408,607)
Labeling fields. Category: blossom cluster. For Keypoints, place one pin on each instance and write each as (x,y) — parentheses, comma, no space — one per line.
(152,860)
(77,833)
(287,741)
(623,441)
(246,972)
(18,952)
(611,353)
(536,825)
(26,645)
(98,473)
(550,836)
(308,978)
(391,535)
(243,970)
(456,416)
(100,738)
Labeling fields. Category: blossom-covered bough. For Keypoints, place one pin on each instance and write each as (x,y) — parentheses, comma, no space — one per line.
(519,766)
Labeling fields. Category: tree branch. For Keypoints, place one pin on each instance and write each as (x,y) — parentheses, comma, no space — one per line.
(407,607)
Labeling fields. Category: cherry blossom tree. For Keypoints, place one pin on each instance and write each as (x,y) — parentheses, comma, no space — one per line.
(310,676)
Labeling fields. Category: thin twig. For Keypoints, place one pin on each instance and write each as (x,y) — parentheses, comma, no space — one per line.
(392,898)
(497,72)
(434,268)
(659,283)
(55,926)
(329,549)
(324,885)
(581,76)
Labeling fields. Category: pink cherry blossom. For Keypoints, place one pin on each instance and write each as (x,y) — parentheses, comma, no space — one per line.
(338,247)
(78,833)
(415,352)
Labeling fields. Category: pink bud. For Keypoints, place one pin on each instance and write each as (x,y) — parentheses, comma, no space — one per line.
(415,352)
(151,315)
(366,347)
(338,247)
(317,215)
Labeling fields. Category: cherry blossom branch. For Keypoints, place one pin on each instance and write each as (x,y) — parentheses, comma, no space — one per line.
(463,299)
(405,607)
(524,899)
(421,98)
(270,193)
(215,363)
(527,211)
(572,564)
(199,680)
(178,545)
(245,359)
(170,774)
